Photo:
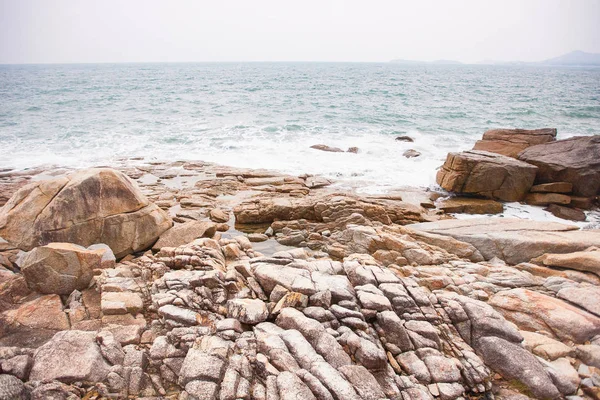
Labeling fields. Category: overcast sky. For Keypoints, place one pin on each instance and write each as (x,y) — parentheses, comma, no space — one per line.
(67,31)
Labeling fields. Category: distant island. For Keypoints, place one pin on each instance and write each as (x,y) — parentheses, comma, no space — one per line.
(574,58)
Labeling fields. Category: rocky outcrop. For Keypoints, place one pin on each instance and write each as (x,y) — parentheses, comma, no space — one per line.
(513,240)
(486,174)
(575,160)
(510,142)
(60,268)
(332,209)
(87,207)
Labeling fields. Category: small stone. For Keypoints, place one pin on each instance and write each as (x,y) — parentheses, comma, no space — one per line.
(411,153)
(218,215)
(353,150)
(257,237)
(572,214)
(405,139)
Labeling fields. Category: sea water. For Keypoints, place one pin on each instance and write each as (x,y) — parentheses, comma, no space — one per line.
(267,115)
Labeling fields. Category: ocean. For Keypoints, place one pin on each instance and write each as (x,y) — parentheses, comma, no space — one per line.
(267,115)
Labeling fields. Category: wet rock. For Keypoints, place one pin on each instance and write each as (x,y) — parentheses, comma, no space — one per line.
(324,147)
(411,153)
(69,357)
(60,268)
(486,174)
(573,160)
(467,205)
(510,142)
(353,150)
(566,213)
(87,207)
(185,233)
(404,139)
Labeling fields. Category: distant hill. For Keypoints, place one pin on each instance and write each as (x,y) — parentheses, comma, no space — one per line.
(414,62)
(575,58)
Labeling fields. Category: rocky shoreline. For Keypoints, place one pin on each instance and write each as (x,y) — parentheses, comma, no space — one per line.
(189,280)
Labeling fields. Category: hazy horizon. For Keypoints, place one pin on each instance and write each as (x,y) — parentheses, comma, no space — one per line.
(136,31)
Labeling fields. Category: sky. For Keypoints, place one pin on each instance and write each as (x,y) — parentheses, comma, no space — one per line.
(85,31)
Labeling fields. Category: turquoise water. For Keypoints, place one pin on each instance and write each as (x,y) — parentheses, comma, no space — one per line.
(267,115)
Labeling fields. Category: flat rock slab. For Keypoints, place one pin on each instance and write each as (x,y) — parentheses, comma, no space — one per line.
(467,205)
(513,240)
(510,142)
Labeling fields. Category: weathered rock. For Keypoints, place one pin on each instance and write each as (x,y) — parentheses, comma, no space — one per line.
(575,160)
(486,174)
(87,207)
(510,142)
(116,303)
(534,311)
(571,214)
(514,362)
(324,147)
(257,237)
(552,187)
(218,215)
(11,388)
(543,199)
(513,240)
(247,311)
(468,205)
(60,268)
(185,233)
(69,357)
(588,260)
(545,347)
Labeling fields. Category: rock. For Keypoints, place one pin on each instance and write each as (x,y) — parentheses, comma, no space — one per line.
(353,150)
(315,182)
(589,354)
(247,311)
(534,311)
(34,322)
(510,142)
(11,388)
(545,347)
(257,237)
(585,296)
(324,147)
(292,388)
(553,187)
(543,199)
(178,314)
(218,215)
(18,366)
(116,303)
(588,260)
(60,268)
(575,160)
(514,362)
(108,258)
(404,139)
(411,153)
(185,233)
(486,174)
(87,207)
(468,205)
(584,203)
(513,240)
(566,213)
(69,357)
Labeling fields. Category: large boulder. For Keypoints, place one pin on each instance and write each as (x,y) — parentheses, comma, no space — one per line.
(486,174)
(69,357)
(87,207)
(510,142)
(513,240)
(575,160)
(60,268)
